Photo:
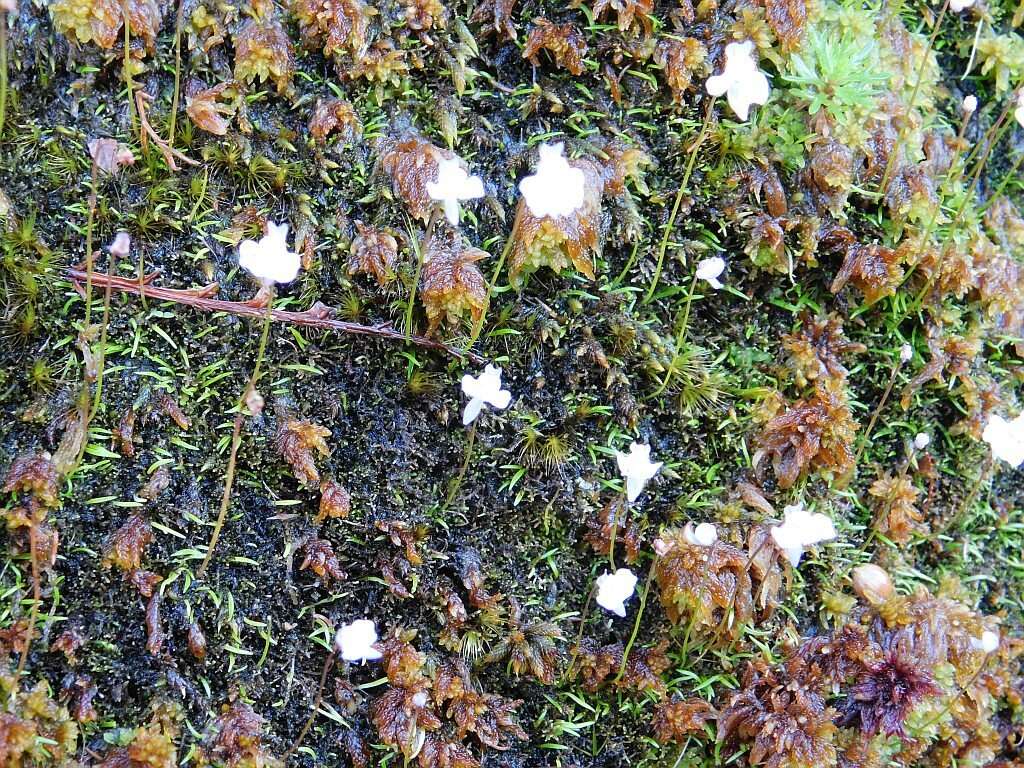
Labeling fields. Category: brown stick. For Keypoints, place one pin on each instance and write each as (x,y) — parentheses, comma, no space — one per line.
(169,152)
(317,316)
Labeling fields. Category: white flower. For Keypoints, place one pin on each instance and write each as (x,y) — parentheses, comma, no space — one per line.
(741,79)
(121,246)
(970,105)
(614,589)
(453,184)
(921,440)
(355,641)
(636,468)
(710,269)
(906,353)
(485,388)
(701,535)
(958,5)
(1018,113)
(1006,438)
(800,530)
(268,259)
(555,188)
(988,642)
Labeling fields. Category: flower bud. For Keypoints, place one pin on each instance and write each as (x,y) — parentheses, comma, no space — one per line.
(970,104)
(872,583)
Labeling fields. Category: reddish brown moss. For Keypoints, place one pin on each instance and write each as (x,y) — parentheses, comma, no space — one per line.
(564,42)
(297,441)
(451,284)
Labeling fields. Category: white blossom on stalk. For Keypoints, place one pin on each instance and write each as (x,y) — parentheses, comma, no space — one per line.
(452,185)
(987,643)
(710,269)
(268,259)
(636,468)
(614,589)
(921,440)
(801,529)
(970,105)
(355,641)
(121,246)
(960,5)
(740,79)
(906,353)
(484,389)
(1018,113)
(555,188)
(1006,438)
(700,535)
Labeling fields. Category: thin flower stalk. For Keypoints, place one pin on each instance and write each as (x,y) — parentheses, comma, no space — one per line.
(917,86)
(863,439)
(639,617)
(236,440)
(667,232)
(3,71)
(179,21)
(479,324)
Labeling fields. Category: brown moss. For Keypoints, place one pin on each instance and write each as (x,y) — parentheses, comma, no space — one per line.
(614,520)
(451,284)
(564,42)
(950,354)
(411,163)
(675,720)
(527,646)
(896,515)
(788,21)
(235,741)
(373,252)
(334,116)
(813,433)
(816,349)
(127,546)
(704,586)
(681,60)
(423,15)
(874,269)
(297,441)
(264,52)
(335,501)
(383,64)
(206,109)
(319,557)
(628,13)
(496,18)
(35,475)
(338,26)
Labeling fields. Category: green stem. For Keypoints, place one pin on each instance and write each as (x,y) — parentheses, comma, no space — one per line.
(913,93)
(88,244)
(3,72)
(639,616)
(663,246)
(1011,174)
(179,20)
(479,324)
(465,466)
(875,414)
(127,73)
(102,357)
(419,249)
(623,504)
(680,338)
(236,439)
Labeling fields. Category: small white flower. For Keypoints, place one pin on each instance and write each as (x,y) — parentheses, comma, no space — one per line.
(906,353)
(556,188)
(454,184)
(744,83)
(1006,438)
(355,641)
(710,269)
(800,530)
(485,388)
(970,105)
(1018,113)
(636,468)
(921,440)
(268,259)
(987,643)
(701,535)
(614,589)
(661,547)
(959,5)
(121,246)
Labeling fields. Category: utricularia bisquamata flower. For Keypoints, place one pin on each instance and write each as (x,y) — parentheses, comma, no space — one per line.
(355,641)
(484,389)
(801,529)
(960,5)
(452,185)
(268,259)
(700,535)
(741,80)
(710,270)
(636,468)
(614,589)
(555,188)
(1006,438)
(987,643)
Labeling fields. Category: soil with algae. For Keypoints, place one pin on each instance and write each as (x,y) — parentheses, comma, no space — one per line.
(860,359)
